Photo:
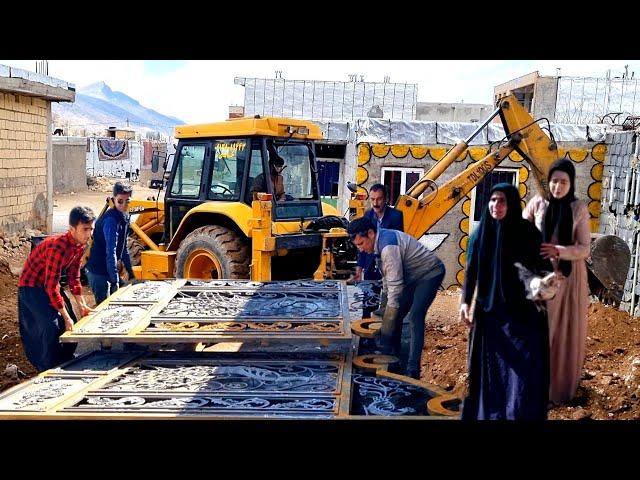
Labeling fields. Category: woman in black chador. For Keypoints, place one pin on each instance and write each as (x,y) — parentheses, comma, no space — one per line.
(508,360)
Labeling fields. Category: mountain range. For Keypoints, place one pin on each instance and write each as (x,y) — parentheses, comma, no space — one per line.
(97,107)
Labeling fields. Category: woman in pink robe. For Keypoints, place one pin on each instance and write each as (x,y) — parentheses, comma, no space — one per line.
(564,223)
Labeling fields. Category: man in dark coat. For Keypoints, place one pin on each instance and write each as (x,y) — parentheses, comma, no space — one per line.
(110,245)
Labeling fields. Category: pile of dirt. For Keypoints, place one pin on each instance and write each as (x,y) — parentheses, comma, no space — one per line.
(103,184)
(11,352)
(610,386)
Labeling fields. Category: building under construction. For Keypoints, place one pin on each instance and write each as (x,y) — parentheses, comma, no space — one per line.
(577,100)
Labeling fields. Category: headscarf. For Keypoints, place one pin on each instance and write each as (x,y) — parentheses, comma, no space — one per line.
(496,240)
(559,212)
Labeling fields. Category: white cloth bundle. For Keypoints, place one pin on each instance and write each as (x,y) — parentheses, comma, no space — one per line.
(538,288)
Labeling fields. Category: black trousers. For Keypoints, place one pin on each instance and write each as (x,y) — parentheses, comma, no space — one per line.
(40,328)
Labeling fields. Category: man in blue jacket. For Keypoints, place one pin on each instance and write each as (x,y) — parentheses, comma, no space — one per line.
(383,216)
(110,245)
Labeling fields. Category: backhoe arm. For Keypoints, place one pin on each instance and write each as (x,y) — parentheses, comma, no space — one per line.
(421,209)
(421,215)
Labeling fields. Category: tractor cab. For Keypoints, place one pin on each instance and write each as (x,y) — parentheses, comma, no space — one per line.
(230,161)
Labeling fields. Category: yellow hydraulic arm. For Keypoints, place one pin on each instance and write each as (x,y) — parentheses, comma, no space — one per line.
(422,209)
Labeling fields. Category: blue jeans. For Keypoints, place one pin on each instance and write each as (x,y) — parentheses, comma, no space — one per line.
(414,303)
(40,328)
(100,286)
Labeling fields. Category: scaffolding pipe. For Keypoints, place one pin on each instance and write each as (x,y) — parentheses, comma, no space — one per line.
(612,186)
(635,275)
(627,181)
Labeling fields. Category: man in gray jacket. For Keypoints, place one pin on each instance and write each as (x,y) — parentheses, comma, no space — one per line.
(411,275)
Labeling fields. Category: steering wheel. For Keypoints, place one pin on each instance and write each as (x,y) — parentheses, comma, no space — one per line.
(217,185)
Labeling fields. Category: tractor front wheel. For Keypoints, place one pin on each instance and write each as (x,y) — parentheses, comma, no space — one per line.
(213,252)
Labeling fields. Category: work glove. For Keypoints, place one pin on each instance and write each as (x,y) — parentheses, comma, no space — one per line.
(385,333)
(383,304)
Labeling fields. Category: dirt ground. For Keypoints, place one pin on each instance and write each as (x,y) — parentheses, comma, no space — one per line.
(95,199)
(610,386)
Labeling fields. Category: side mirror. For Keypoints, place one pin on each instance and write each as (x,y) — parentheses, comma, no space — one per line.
(155,161)
(353,188)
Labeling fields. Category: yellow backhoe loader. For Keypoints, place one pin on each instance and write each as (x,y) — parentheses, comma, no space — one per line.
(227,213)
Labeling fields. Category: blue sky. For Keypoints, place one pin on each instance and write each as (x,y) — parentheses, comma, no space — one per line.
(199,91)
(155,67)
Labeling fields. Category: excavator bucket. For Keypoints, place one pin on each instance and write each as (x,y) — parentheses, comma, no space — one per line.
(608,267)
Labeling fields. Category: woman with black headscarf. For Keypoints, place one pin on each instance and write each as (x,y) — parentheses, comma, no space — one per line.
(564,223)
(509,341)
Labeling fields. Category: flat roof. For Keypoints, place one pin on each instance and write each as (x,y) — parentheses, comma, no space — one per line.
(32,84)
(250,126)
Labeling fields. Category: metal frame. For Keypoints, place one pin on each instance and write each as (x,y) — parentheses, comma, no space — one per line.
(166,321)
(290,375)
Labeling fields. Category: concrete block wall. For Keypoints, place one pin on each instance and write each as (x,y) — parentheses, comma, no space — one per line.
(452,112)
(24,146)
(619,217)
(545,97)
(69,159)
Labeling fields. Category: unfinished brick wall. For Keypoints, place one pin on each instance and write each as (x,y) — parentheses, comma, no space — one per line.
(23,162)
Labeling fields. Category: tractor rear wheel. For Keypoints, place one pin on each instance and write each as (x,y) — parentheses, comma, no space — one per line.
(135,247)
(213,252)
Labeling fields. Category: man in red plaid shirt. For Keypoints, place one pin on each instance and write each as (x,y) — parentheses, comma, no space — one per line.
(44,311)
